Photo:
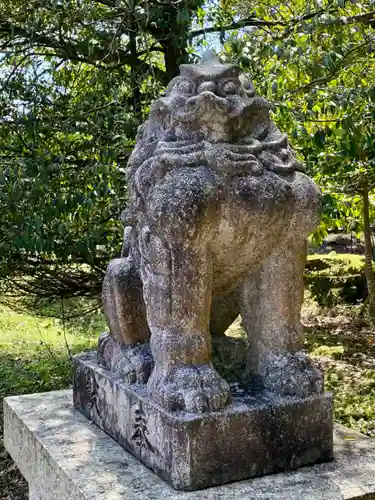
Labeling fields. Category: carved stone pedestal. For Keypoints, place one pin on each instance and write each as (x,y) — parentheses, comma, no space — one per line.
(251,437)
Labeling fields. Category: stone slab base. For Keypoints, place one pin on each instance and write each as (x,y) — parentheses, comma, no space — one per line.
(251,437)
(64,456)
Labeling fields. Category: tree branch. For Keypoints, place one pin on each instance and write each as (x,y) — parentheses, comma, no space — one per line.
(367,18)
(244,23)
(15,68)
(325,79)
(97,56)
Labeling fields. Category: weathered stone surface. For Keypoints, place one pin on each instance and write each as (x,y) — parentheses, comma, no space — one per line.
(63,456)
(251,437)
(216,225)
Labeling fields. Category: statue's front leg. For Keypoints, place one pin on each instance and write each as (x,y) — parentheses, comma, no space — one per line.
(177,291)
(270,301)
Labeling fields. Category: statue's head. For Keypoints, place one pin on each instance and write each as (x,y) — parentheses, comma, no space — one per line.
(211,101)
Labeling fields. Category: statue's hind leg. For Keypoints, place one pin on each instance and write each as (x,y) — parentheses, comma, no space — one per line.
(125,349)
(271,298)
(177,282)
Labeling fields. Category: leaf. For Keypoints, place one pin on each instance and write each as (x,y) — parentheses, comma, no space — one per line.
(327,60)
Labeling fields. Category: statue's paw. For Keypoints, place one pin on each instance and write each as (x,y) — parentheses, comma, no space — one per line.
(134,363)
(189,388)
(293,375)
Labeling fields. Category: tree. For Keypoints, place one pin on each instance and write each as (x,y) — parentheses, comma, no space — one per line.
(317,66)
(347,170)
(77,77)
(63,134)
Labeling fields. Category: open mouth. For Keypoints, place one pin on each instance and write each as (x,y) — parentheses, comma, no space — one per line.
(207,103)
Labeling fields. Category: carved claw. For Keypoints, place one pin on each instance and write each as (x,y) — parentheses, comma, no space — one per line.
(294,375)
(133,363)
(189,388)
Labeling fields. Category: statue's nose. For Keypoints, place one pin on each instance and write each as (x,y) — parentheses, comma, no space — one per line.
(207,95)
(207,87)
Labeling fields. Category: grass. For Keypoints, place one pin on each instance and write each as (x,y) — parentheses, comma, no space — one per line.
(34,351)
(34,357)
(353,260)
(344,345)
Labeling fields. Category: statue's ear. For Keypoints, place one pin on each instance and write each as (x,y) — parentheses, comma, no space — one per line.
(171,84)
(141,132)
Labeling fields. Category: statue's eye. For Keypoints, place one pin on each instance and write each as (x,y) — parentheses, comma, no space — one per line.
(229,88)
(186,87)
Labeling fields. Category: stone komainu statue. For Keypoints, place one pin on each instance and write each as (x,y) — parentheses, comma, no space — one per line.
(218,218)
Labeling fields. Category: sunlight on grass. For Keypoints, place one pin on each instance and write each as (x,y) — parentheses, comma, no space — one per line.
(35,352)
(236,330)
(16,328)
(35,357)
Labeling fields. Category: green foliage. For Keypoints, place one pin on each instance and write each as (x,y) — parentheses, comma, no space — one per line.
(315,63)
(76,78)
(336,278)
(74,85)
(64,139)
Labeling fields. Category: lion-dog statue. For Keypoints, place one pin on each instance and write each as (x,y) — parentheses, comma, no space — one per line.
(216,225)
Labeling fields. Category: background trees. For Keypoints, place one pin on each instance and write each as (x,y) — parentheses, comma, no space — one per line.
(78,76)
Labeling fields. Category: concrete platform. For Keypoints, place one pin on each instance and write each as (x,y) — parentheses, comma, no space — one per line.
(64,456)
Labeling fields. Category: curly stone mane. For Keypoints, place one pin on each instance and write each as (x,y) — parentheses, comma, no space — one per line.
(205,110)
